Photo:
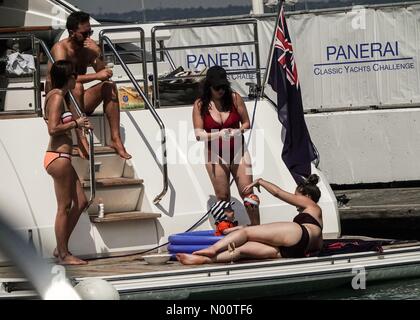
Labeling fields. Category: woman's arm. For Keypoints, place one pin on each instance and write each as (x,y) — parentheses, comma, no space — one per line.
(290,198)
(200,133)
(54,110)
(240,105)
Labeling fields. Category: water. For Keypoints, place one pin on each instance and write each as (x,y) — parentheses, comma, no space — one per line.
(408,289)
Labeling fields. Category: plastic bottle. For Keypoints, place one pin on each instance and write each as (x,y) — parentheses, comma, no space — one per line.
(101,209)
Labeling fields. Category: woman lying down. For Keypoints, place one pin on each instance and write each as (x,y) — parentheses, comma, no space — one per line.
(273,240)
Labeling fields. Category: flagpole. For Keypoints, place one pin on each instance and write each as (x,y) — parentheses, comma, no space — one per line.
(270,56)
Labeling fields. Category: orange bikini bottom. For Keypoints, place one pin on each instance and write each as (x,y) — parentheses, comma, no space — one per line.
(50,156)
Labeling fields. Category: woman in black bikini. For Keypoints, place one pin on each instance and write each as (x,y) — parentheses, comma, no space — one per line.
(274,240)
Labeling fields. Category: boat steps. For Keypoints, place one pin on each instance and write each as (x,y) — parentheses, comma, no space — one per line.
(113,182)
(117,187)
(124,216)
(99,150)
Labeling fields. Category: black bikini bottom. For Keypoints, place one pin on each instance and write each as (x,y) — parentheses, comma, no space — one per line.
(298,250)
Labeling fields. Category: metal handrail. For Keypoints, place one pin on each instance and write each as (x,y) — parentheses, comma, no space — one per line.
(142,48)
(152,110)
(200,46)
(168,56)
(90,133)
(218,23)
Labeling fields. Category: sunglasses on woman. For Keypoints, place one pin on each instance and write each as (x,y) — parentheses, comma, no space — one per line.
(220,87)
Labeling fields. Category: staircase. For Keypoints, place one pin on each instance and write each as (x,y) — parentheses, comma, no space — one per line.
(117,187)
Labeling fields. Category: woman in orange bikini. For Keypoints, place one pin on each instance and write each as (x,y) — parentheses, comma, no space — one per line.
(273,240)
(220,118)
(71,200)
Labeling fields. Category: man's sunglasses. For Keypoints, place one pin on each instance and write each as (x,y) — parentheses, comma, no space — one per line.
(86,33)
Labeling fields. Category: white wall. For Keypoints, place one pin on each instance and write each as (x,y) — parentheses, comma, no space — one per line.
(367,146)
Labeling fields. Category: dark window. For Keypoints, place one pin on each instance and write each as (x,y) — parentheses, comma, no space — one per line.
(129,52)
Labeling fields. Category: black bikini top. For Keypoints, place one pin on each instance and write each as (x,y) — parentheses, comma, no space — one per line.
(304,217)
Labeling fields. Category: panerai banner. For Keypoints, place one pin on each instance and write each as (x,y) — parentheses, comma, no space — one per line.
(354,58)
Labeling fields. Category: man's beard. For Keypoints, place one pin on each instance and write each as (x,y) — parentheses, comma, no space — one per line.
(78,42)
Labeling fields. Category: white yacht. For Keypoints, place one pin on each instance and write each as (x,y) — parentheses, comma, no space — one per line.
(164,189)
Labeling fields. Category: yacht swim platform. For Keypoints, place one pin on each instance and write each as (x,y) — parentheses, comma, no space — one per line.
(135,279)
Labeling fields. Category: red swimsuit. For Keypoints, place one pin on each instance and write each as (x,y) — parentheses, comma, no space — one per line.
(220,147)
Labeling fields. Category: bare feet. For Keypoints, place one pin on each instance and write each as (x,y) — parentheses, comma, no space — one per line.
(189,259)
(120,150)
(69,259)
(208,252)
(55,253)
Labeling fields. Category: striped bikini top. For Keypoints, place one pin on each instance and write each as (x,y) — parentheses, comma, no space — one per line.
(66,116)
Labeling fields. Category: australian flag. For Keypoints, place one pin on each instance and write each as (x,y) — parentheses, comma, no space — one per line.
(298,150)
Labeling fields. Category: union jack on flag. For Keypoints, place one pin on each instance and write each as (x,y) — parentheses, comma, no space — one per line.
(298,150)
(285,55)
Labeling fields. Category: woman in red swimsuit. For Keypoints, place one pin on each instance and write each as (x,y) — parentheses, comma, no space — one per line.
(294,239)
(220,118)
(71,200)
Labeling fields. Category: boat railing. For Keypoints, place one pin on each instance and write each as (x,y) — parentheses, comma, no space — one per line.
(168,56)
(103,39)
(204,24)
(142,49)
(38,44)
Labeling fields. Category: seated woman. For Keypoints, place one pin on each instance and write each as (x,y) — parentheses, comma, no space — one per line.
(274,240)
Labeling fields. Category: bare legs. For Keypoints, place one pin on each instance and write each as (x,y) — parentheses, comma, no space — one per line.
(256,242)
(68,190)
(105,91)
(219,174)
(251,250)
(242,173)
(78,93)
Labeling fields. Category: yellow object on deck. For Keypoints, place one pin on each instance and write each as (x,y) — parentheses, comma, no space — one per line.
(130,99)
